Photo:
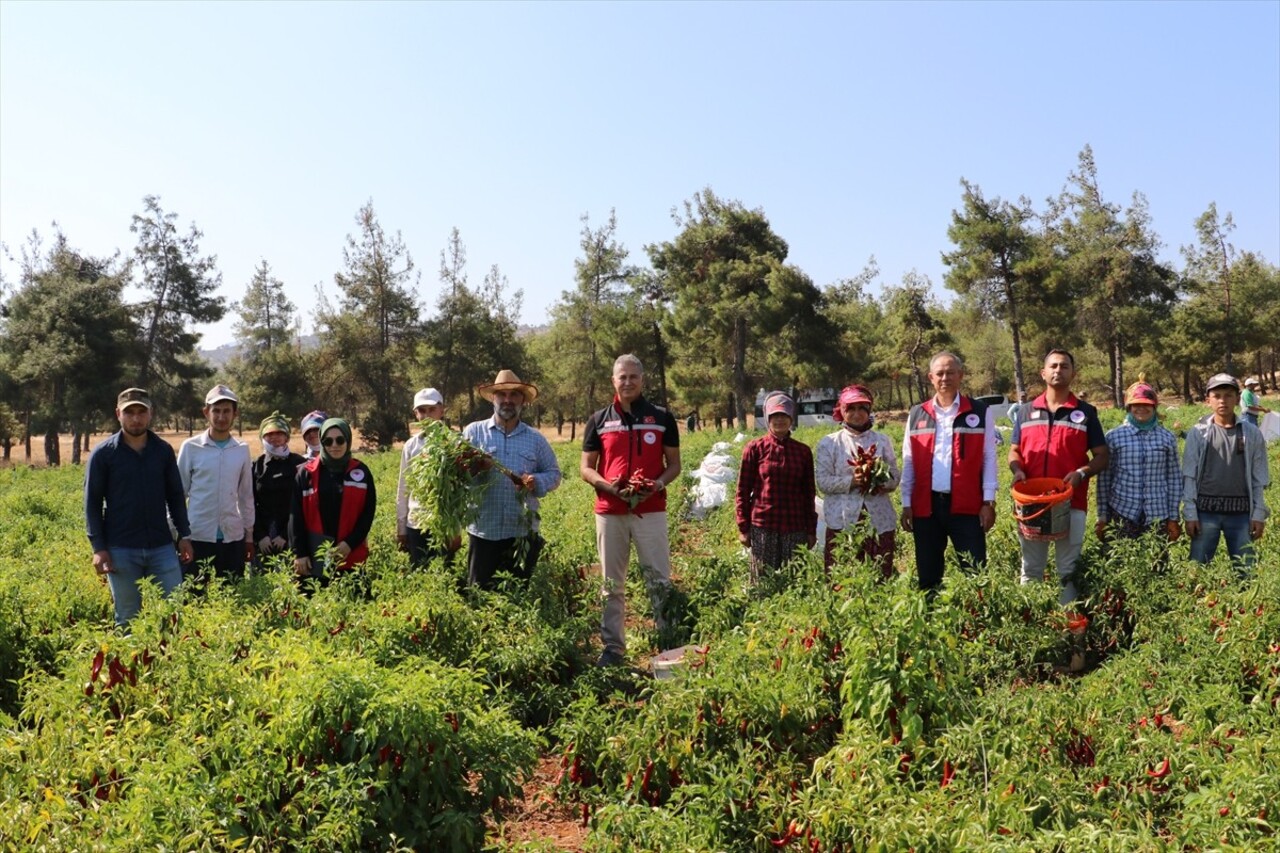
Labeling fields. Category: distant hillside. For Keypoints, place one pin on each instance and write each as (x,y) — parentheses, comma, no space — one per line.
(219,356)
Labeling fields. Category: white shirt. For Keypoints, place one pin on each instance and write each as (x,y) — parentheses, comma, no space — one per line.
(944,429)
(407,507)
(842,503)
(218,482)
(943,442)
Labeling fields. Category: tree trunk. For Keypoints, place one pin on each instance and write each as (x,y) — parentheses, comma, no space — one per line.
(52,456)
(740,386)
(26,437)
(1186,382)
(1019,382)
(75,444)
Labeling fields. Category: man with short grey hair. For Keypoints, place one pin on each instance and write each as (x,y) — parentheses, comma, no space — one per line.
(630,454)
(949,473)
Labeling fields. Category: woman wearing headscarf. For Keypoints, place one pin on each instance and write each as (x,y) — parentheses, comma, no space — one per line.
(1141,487)
(273,475)
(333,504)
(775,501)
(851,492)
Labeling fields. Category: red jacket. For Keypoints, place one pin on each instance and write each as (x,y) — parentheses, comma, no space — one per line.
(354,493)
(967,446)
(627,442)
(1053,444)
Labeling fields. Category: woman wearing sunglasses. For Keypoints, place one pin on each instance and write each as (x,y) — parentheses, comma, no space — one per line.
(333,504)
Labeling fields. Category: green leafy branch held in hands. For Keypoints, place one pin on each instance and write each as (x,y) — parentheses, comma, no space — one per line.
(448,480)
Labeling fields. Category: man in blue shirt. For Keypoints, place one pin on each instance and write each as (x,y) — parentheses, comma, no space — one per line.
(131,490)
(504,535)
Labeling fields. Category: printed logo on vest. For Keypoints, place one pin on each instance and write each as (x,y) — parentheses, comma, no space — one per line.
(920,423)
(357,475)
(650,438)
(971,420)
(1035,414)
(649,419)
(1077,417)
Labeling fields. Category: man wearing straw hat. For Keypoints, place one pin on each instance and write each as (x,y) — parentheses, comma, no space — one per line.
(504,535)
(1057,435)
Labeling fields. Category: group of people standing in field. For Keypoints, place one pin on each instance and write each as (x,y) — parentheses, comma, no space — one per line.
(224,509)
(949,476)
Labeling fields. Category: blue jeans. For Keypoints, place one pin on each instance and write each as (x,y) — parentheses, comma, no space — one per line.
(1234,527)
(132,565)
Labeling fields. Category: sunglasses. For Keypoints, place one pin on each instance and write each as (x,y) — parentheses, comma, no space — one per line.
(332,440)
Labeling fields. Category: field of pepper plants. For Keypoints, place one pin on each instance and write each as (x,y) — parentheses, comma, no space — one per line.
(815,712)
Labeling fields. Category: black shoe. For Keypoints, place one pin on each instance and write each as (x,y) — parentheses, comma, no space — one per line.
(611,658)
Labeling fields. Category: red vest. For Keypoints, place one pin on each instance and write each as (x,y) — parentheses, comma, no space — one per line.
(967,449)
(354,493)
(630,443)
(1053,444)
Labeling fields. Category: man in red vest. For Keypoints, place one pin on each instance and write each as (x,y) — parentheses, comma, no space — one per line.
(630,454)
(1059,436)
(949,476)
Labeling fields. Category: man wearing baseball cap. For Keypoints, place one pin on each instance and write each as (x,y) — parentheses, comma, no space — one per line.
(1224,475)
(131,489)
(411,534)
(217,477)
(1250,403)
(949,473)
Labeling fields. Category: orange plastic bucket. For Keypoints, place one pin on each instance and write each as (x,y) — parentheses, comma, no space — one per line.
(1042,506)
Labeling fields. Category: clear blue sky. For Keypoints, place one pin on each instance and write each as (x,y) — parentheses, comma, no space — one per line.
(850,124)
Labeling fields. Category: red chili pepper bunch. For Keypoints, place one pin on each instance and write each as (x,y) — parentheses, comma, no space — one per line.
(637,484)
(870,469)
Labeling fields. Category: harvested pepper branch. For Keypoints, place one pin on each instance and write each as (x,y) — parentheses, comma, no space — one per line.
(869,468)
(443,479)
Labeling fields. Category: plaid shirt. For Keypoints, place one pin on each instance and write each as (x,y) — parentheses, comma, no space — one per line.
(524,451)
(1143,482)
(776,488)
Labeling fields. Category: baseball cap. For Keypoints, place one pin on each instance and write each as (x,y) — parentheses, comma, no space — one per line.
(218,393)
(428,397)
(1251,381)
(1220,380)
(779,403)
(129,396)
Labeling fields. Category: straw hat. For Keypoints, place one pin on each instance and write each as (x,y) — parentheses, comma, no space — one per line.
(508,381)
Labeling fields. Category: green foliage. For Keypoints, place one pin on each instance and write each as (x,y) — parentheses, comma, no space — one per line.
(472,336)
(66,340)
(815,711)
(367,341)
(180,288)
(740,314)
